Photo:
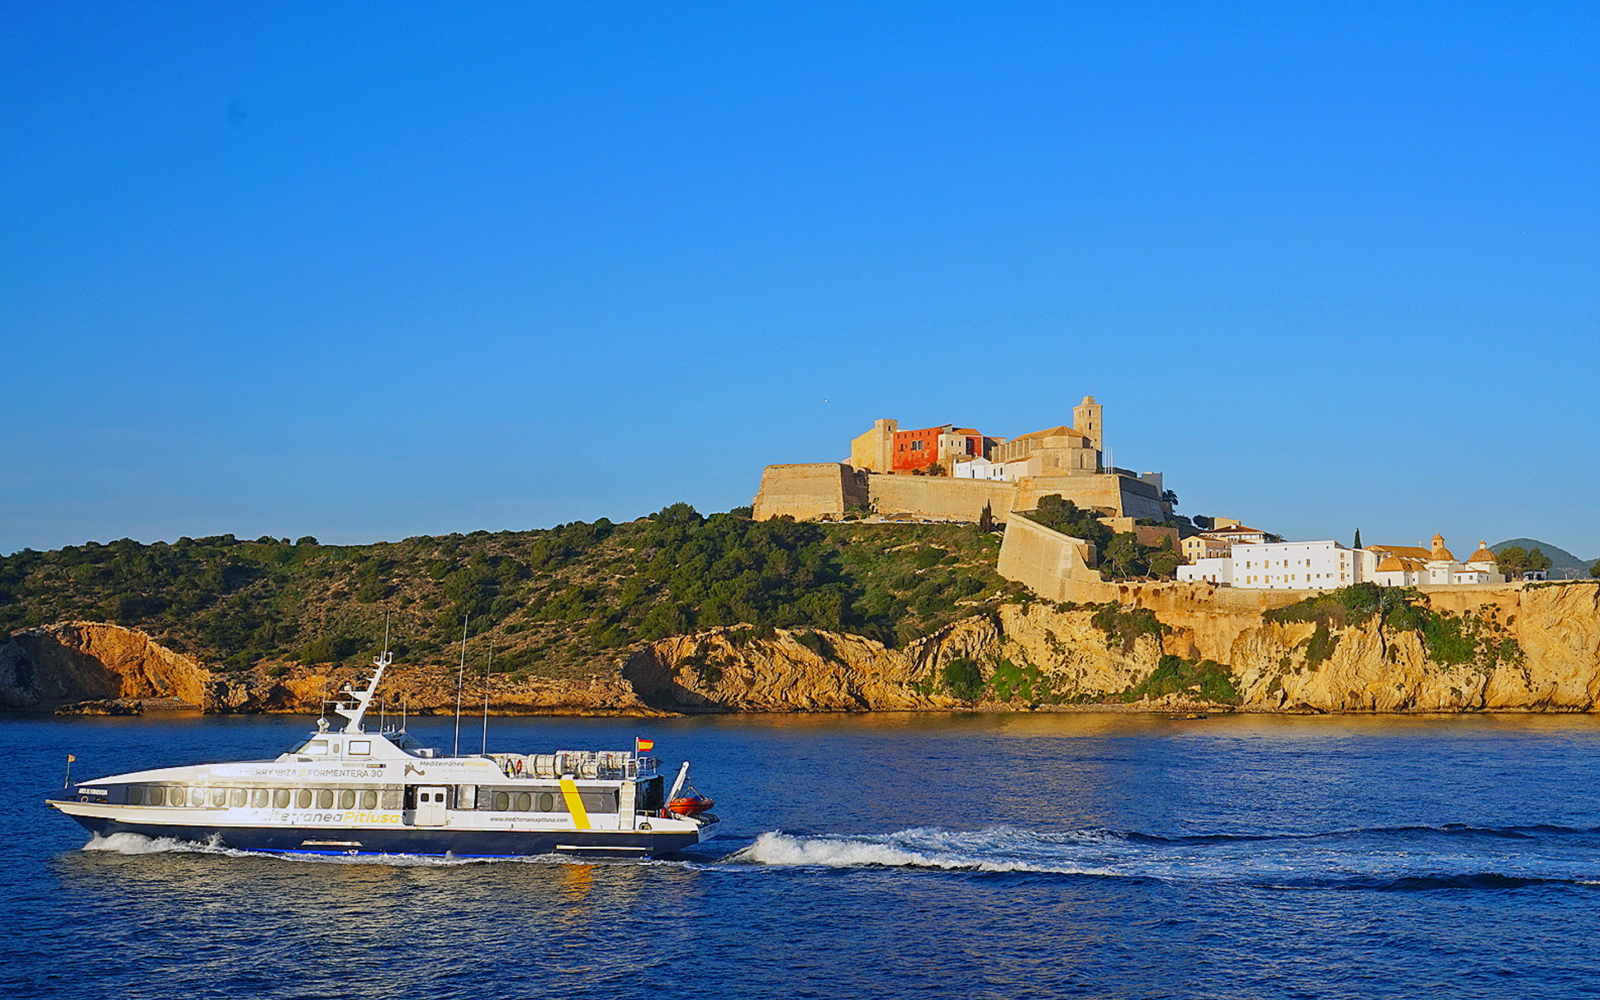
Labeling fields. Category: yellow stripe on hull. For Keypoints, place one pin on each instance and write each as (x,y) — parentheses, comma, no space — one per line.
(569,791)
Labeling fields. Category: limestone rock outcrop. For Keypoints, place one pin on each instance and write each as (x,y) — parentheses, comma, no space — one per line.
(1546,658)
(1534,649)
(724,670)
(84,667)
(80,661)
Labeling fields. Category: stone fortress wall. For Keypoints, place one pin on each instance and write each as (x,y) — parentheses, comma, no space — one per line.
(814,490)
(1062,460)
(810,491)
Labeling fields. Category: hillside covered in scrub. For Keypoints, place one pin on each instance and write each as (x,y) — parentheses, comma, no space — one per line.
(563,601)
(682,613)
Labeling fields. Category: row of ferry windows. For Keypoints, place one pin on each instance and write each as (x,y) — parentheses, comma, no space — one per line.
(534,801)
(525,802)
(262,798)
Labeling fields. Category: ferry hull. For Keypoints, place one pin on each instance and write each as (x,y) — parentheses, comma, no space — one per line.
(427,841)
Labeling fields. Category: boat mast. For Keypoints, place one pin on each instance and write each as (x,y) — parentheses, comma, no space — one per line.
(461,677)
(484,750)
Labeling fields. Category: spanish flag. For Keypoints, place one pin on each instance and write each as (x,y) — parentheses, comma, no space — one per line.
(640,745)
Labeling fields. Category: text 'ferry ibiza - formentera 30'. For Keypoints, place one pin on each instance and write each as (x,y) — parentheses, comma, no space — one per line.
(350,791)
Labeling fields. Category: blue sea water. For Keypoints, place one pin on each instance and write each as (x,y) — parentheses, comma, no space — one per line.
(875,856)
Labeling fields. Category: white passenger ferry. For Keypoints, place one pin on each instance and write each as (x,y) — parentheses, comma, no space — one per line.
(350,791)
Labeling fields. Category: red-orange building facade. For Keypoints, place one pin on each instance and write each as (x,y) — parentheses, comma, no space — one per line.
(933,445)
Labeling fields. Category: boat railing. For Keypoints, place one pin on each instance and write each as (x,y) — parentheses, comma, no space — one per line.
(611,765)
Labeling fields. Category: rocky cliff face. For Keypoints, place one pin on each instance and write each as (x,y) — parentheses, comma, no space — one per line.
(1533,650)
(726,670)
(1527,650)
(118,668)
(1546,657)
(73,661)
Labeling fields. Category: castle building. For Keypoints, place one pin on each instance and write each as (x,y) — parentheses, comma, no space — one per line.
(981,474)
(1058,451)
(940,446)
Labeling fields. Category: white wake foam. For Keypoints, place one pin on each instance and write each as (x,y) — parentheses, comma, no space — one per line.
(137,843)
(994,850)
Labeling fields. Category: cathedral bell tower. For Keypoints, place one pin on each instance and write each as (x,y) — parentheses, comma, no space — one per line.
(1086,421)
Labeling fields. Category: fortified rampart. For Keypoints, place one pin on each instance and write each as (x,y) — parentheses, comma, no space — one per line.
(809,491)
(1044,560)
(939,498)
(1123,496)
(815,490)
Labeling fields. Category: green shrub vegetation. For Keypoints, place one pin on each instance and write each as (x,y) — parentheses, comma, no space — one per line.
(1068,518)
(552,600)
(1321,645)
(1026,684)
(962,678)
(1207,680)
(1475,637)
(1514,561)
(1123,626)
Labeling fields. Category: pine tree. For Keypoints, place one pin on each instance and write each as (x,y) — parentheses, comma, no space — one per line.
(1357,543)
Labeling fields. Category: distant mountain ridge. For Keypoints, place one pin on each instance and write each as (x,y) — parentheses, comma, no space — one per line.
(1563,564)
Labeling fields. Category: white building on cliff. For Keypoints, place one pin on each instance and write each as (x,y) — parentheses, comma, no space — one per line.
(1326,565)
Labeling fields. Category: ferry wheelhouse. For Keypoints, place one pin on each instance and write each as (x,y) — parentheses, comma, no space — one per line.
(349,791)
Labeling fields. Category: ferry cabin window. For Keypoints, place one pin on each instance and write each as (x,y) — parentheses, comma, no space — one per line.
(219,797)
(347,798)
(600,802)
(302,798)
(314,748)
(547,802)
(280,798)
(524,802)
(237,797)
(158,795)
(176,796)
(392,798)
(369,799)
(360,748)
(260,797)
(135,795)
(325,798)
(466,796)
(502,801)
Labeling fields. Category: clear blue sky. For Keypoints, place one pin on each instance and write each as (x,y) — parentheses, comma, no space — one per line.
(371,271)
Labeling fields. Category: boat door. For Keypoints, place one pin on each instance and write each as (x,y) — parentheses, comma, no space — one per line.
(430,805)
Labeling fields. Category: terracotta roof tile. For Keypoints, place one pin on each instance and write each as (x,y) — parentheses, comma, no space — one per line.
(1062,431)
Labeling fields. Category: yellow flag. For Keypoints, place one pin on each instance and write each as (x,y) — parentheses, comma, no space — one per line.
(70,758)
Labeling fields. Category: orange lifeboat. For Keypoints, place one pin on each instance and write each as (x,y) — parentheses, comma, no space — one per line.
(690,805)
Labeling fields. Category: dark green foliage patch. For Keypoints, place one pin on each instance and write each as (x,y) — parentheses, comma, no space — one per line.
(1207,680)
(561,600)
